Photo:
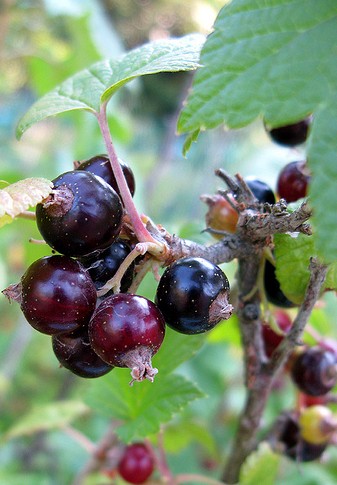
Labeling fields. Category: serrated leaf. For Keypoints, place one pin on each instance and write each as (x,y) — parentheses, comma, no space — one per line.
(191,138)
(50,416)
(145,406)
(18,197)
(292,256)
(260,467)
(91,87)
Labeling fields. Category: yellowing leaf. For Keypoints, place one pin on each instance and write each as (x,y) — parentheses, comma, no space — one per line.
(18,197)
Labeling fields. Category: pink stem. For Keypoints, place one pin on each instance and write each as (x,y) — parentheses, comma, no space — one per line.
(140,230)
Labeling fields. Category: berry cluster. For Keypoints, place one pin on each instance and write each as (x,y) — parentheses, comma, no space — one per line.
(83,220)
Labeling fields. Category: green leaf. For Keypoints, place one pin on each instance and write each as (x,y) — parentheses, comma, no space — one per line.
(292,256)
(50,416)
(274,59)
(91,87)
(143,407)
(260,467)
(179,435)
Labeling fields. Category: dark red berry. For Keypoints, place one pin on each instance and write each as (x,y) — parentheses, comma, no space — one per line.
(293,181)
(74,352)
(272,288)
(261,190)
(193,295)
(83,214)
(56,295)
(126,330)
(294,446)
(272,339)
(136,464)
(314,371)
(291,135)
(100,165)
(104,265)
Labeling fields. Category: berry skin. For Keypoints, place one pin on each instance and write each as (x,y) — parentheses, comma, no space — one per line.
(193,295)
(317,424)
(104,265)
(74,352)
(293,180)
(314,371)
(56,295)
(126,330)
(100,165)
(270,337)
(83,214)
(220,217)
(272,288)
(291,135)
(136,464)
(261,190)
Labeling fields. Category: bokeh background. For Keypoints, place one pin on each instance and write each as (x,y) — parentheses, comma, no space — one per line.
(42,42)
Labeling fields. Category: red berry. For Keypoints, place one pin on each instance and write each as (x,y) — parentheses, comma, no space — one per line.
(56,295)
(293,181)
(100,165)
(193,295)
(126,330)
(270,337)
(74,352)
(220,217)
(83,214)
(136,464)
(291,135)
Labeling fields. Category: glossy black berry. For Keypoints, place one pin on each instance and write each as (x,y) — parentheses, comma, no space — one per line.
(291,135)
(103,265)
(126,330)
(293,180)
(314,371)
(136,464)
(56,295)
(193,295)
(82,215)
(74,352)
(294,446)
(272,288)
(100,165)
(261,190)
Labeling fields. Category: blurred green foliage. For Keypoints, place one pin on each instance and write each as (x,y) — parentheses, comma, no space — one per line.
(42,43)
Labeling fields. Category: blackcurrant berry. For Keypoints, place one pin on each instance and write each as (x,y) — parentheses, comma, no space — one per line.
(261,190)
(126,330)
(100,165)
(56,295)
(272,339)
(291,135)
(220,217)
(104,265)
(272,287)
(293,181)
(83,214)
(295,447)
(136,464)
(314,371)
(317,424)
(74,352)
(193,295)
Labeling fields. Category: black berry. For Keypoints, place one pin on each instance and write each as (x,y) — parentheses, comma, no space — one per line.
(193,295)
(136,464)
(100,165)
(56,295)
(104,265)
(126,330)
(291,135)
(261,190)
(82,215)
(293,181)
(74,352)
(272,288)
(314,371)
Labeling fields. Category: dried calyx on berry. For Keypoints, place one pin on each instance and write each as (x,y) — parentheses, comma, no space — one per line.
(193,295)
